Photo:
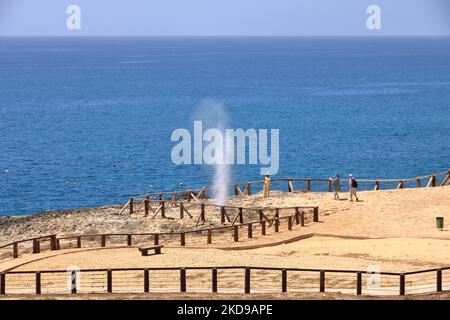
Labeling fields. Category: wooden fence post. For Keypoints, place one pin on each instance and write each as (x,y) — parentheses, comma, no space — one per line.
(261,215)
(250,230)
(297,216)
(289,223)
(163,208)
(131,205)
(277,220)
(182,280)
(38,282)
(359,283)
(402,284)
(222,214)
(182,239)
(202,212)
(322,281)
(236,234)
(103,240)
(79,242)
(290,186)
(188,196)
(377,185)
(400,185)
(156,239)
(146,280)
(263,227)
(15,250)
(247,280)
(247,188)
(2,283)
(109,281)
(434,181)
(53,242)
(316,214)
(439,280)
(418,183)
(129,239)
(284,280)
(36,246)
(214,280)
(73,279)
(209,236)
(146,206)
(181,210)
(302,218)
(308,184)
(241,215)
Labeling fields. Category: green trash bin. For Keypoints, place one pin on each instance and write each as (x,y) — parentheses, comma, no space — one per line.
(440,222)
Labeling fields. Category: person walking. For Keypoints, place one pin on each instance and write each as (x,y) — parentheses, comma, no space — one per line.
(336,186)
(352,186)
(266,188)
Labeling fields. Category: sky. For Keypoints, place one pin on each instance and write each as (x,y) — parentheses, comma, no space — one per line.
(224,18)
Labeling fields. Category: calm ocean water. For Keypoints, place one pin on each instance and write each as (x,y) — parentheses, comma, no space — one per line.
(86,122)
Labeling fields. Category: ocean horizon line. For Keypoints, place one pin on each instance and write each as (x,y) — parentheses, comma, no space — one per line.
(230,36)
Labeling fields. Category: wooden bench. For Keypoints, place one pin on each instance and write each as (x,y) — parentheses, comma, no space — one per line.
(145,250)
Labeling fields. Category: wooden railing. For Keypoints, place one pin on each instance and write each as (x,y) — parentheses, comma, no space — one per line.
(298,216)
(36,244)
(323,184)
(153,208)
(237,279)
(303,184)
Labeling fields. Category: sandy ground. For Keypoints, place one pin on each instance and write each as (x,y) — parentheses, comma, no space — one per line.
(407,215)
(384,213)
(390,230)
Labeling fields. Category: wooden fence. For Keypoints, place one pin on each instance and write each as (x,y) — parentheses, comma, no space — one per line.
(195,210)
(36,244)
(303,184)
(323,184)
(225,279)
(237,231)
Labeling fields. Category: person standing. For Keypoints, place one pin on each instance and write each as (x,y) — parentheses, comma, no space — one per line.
(336,186)
(352,186)
(266,188)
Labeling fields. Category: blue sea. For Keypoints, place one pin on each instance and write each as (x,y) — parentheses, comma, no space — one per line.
(87,121)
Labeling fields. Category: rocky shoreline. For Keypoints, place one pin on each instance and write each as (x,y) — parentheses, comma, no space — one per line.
(105,219)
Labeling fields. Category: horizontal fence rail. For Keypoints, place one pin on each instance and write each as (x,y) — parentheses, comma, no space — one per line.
(223,279)
(295,184)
